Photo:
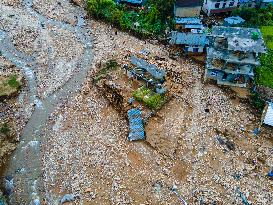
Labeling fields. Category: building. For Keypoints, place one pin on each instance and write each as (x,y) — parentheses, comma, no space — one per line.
(247,3)
(232,55)
(191,42)
(187,8)
(132,2)
(267,117)
(219,6)
(137,131)
(234,21)
(189,24)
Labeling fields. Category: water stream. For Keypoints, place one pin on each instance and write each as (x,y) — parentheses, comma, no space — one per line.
(25,163)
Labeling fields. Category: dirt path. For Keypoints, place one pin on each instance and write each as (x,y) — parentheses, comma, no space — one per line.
(24,166)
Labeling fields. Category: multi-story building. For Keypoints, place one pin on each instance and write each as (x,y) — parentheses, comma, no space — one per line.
(219,6)
(232,55)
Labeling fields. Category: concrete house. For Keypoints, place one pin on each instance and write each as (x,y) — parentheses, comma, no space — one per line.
(193,43)
(232,55)
(219,6)
(189,24)
(187,8)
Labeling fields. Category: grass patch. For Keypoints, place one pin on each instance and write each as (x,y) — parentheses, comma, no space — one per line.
(4,129)
(151,99)
(264,73)
(109,66)
(267,32)
(9,85)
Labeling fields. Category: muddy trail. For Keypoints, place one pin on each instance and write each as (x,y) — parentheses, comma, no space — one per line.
(24,165)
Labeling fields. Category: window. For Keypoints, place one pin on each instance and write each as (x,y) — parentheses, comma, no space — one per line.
(224,5)
(249,5)
(217,5)
(195,49)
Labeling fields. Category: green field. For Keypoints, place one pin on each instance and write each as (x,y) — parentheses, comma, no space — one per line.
(267,32)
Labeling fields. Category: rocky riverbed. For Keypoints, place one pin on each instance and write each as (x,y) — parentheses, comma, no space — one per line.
(74,146)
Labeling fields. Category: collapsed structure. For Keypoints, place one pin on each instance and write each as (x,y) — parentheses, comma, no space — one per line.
(267,117)
(191,42)
(232,54)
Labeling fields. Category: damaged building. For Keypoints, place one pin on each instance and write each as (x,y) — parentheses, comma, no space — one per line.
(232,55)
(191,42)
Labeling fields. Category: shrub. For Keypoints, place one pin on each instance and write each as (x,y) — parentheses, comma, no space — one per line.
(12,82)
(5,129)
(149,98)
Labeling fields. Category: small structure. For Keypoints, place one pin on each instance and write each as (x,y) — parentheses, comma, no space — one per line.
(187,8)
(132,2)
(267,117)
(192,43)
(136,125)
(219,6)
(232,55)
(247,3)
(233,21)
(189,24)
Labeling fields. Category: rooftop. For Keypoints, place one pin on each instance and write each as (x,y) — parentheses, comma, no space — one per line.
(188,3)
(191,39)
(188,20)
(234,20)
(150,68)
(136,125)
(241,39)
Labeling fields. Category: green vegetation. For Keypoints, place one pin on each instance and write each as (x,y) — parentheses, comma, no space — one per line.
(4,129)
(109,66)
(12,82)
(264,73)
(9,85)
(256,17)
(149,98)
(267,32)
(151,20)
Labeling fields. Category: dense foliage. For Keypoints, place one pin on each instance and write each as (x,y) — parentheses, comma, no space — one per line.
(149,98)
(150,20)
(264,73)
(256,17)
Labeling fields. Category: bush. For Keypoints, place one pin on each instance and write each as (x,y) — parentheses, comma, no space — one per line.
(264,73)
(149,98)
(150,21)
(5,129)
(12,82)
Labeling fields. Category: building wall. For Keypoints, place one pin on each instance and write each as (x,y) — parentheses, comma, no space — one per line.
(210,6)
(187,11)
(194,49)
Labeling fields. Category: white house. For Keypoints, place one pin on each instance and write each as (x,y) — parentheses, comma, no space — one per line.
(219,6)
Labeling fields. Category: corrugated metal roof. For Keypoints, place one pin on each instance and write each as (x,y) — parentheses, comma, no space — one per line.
(268,119)
(191,39)
(188,3)
(136,125)
(188,20)
(150,68)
